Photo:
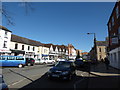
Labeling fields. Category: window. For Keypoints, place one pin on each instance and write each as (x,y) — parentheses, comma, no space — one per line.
(28,47)
(22,47)
(33,48)
(115,59)
(109,26)
(6,34)
(16,46)
(117,12)
(5,44)
(45,51)
(119,32)
(112,21)
(10,58)
(115,40)
(19,58)
(99,49)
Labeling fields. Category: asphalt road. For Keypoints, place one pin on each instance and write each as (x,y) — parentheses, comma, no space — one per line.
(35,77)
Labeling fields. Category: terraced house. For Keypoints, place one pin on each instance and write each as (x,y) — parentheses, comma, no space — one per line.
(114,36)
(5,37)
(21,46)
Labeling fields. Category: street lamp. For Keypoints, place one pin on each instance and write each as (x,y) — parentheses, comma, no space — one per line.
(94,44)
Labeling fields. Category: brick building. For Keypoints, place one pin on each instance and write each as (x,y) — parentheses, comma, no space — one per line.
(114,36)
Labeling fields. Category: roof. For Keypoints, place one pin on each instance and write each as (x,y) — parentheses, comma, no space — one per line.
(4,28)
(101,43)
(54,46)
(18,39)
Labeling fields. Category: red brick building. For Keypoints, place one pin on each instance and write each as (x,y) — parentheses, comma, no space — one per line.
(114,36)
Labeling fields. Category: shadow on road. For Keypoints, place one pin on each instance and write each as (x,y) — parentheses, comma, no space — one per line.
(46,83)
(21,75)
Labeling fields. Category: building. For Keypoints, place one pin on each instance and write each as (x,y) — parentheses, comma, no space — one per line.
(57,51)
(21,46)
(5,38)
(71,51)
(114,36)
(101,51)
(43,51)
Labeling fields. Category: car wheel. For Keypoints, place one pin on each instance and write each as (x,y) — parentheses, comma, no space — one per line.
(31,64)
(44,63)
(20,65)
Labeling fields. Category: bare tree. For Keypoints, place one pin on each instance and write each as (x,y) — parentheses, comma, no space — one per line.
(5,13)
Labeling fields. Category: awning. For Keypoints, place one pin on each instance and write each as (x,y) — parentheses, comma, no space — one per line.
(44,55)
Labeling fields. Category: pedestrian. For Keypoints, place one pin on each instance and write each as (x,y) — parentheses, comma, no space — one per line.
(107,63)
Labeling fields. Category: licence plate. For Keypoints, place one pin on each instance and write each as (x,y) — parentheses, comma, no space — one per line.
(55,75)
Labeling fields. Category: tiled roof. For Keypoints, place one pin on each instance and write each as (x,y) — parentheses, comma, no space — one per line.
(54,46)
(3,28)
(101,43)
(18,39)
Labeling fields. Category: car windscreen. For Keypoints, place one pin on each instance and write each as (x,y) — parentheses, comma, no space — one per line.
(63,64)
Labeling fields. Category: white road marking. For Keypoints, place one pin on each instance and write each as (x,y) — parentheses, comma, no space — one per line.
(22,80)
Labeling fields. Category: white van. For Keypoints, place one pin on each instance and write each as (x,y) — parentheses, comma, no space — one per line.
(47,61)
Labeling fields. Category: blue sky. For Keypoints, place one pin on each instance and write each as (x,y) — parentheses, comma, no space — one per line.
(61,22)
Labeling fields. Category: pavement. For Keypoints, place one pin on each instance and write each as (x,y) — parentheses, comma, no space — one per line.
(100,77)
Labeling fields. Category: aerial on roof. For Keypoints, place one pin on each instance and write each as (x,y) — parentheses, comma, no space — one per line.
(3,28)
(19,39)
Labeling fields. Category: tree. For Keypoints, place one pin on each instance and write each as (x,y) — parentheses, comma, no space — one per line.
(78,55)
(6,14)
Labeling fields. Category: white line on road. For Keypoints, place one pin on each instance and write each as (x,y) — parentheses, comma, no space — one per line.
(22,80)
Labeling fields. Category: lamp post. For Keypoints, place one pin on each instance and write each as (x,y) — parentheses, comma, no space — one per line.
(94,44)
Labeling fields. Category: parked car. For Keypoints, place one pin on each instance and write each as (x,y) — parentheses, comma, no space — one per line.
(61,59)
(30,61)
(62,70)
(37,61)
(47,61)
(79,63)
(3,85)
(71,59)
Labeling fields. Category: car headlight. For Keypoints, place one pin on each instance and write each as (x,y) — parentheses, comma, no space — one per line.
(65,72)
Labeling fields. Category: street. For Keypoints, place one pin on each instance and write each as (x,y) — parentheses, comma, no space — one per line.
(35,77)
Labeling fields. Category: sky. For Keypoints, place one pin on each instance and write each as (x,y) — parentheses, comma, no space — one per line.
(61,22)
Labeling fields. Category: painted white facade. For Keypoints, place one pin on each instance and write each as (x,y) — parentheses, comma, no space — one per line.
(33,52)
(114,57)
(5,37)
(73,53)
(43,52)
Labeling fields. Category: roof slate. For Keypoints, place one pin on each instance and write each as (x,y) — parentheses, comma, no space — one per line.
(19,39)
(3,28)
